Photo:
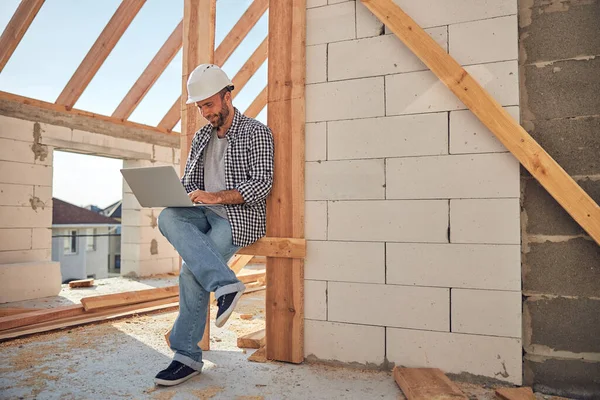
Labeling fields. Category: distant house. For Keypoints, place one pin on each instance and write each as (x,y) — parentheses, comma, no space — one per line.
(81,241)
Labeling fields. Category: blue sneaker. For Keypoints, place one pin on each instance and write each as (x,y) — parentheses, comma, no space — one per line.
(227,304)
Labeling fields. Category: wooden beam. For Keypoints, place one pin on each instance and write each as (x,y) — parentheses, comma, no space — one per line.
(259,355)
(516,139)
(16,106)
(522,393)
(35,317)
(426,384)
(6,311)
(198,48)
(239,81)
(16,28)
(99,52)
(155,68)
(81,283)
(239,31)
(127,298)
(254,340)
(285,207)
(257,105)
(172,117)
(168,304)
(250,67)
(276,247)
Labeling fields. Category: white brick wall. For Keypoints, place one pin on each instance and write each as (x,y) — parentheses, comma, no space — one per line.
(412,211)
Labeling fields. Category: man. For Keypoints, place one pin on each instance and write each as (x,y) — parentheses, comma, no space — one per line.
(230,169)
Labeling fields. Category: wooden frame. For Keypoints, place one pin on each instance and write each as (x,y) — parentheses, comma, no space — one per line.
(285,206)
(516,139)
(16,28)
(99,52)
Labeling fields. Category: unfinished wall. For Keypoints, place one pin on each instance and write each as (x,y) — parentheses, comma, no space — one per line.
(26,149)
(560,86)
(412,211)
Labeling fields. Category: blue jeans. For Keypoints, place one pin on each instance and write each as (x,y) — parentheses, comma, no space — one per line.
(204,242)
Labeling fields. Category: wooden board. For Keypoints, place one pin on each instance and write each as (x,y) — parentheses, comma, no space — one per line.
(253,277)
(122,299)
(285,207)
(16,106)
(6,311)
(259,355)
(112,32)
(287,247)
(16,28)
(34,317)
(257,105)
(508,131)
(168,304)
(254,340)
(426,384)
(240,30)
(523,393)
(81,283)
(250,67)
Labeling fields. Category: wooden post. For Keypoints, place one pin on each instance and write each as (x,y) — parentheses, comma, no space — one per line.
(285,208)
(198,48)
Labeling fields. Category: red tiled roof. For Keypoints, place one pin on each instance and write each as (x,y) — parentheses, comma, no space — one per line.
(64,213)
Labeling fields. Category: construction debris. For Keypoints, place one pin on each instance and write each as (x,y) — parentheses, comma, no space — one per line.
(259,355)
(426,384)
(522,393)
(81,283)
(246,316)
(254,340)
(127,298)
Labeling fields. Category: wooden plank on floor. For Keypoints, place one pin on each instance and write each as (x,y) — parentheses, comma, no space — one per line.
(284,304)
(426,384)
(254,340)
(522,393)
(253,277)
(259,355)
(165,305)
(122,299)
(7,311)
(530,154)
(81,283)
(35,317)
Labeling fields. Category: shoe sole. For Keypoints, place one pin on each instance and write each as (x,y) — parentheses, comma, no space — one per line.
(219,322)
(164,382)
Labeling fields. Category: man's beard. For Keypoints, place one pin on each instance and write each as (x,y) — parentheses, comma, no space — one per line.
(221,117)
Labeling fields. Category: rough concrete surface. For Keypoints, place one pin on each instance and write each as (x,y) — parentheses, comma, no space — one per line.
(545,216)
(563,89)
(574,326)
(541,21)
(573,142)
(563,377)
(118,360)
(567,268)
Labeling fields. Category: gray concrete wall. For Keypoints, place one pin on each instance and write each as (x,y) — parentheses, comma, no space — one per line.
(560,107)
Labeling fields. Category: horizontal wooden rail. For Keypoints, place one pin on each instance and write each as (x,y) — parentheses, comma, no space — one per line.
(276,247)
(13,105)
(516,139)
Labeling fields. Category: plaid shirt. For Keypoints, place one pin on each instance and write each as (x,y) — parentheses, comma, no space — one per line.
(248,169)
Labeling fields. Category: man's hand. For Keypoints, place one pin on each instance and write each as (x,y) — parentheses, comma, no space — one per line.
(200,196)
(222,197)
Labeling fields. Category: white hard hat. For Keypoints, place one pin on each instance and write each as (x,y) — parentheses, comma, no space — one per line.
(205,81)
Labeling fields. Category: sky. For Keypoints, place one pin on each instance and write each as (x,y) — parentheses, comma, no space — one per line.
(59,38)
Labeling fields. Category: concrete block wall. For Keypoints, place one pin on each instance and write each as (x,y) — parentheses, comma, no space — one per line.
(26,150)
(560,71)
(412,206)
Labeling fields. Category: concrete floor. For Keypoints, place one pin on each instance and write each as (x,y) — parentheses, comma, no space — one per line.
(118,360)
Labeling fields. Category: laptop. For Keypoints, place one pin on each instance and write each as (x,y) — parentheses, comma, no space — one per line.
(158,187)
